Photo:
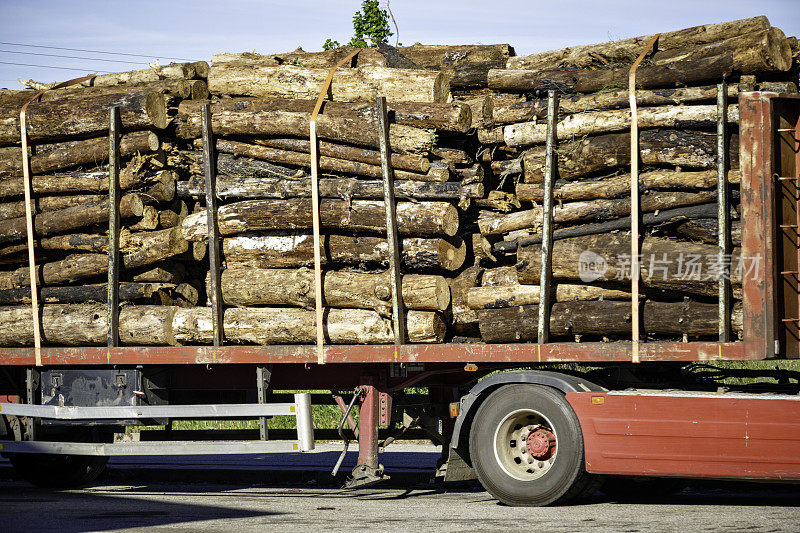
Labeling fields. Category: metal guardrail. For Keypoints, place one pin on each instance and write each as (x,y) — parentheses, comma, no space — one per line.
(300,409)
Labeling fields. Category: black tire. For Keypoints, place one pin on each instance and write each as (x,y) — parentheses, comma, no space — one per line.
(632,489)
(558,480)
(58,471)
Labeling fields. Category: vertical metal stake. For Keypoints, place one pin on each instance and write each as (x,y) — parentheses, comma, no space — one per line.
(723,214)
(114,127)
(398,311)
(210,165)
(545,275)
(263,377)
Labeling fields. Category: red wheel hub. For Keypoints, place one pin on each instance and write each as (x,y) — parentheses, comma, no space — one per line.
(541,444)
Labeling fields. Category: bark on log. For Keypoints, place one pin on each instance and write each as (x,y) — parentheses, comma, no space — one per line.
(86,325)
(148,221)
(569,104)
(245,287)
(152,248)
(349,85)
(291,250)
(172,71)
(265,325)
(528,133)
(666,264)
(465,320)
(500,297)
(592,155)
(300,159)
(451,117)
(46,203)
(75,153)
(422,218)
(71,218)
(62,119)
(179,88)
(443,56)
(246,187)
(626,50)
(620,186)
(367,57)
(491,223)
(347,129)
(606,318)
(128,292)
(413,163)
(167,272)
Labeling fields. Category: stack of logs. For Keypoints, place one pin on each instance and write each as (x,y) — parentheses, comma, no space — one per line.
(467,134)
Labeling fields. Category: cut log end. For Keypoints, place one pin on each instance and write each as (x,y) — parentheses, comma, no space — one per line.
(156,106)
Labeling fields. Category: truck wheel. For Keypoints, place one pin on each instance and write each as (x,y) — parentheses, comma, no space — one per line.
(526,447)
(58,471)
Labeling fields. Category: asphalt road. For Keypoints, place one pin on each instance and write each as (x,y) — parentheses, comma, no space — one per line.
(276,494)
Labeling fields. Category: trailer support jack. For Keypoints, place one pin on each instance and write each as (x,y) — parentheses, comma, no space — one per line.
(368,471)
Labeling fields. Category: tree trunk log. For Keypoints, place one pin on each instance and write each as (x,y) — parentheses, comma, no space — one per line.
(529,111)
(62,119)
(241,187)
(173,71)
(128,292)
(265,325)
(349,85)
(296,249)
(465,320)
(421,218)
(491,223)
(300,159)
(528,133)
(607,318)
(666,264)
(71,218)
(626,50)
(592,155)
(499,297)
(451,117)
(367,57)
(245,287)
(351,130)
(620,186)
(75,153)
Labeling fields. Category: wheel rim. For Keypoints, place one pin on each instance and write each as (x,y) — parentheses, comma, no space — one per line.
(525,444)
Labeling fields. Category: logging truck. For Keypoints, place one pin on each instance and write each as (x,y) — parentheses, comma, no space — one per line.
(629,414)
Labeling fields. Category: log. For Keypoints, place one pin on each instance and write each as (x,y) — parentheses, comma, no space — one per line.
(413,163)
(75,153)
(422,218)
(238,188)
(62,119)
(177,87)
(167,272)
(605,318)
(464,320)
(666,263)
(296,249)
(265,325)
(443,56)
(451,156)
(499,276)
(73,182)
(86,325)
(349,85)
(300,159)
(172,71)
(128,292)
(162,188)
(592,123)
(148,221)
(46,203)
(71,218)
(450,117)
(626,50)
(569,104)
(705,230)
(346,129)
(482,110)
(619,186)
(491,223)
(504,296)
(152,248)
(596,154)
(245,287)
(367,57)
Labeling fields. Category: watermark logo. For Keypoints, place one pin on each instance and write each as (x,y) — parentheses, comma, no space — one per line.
(591,266)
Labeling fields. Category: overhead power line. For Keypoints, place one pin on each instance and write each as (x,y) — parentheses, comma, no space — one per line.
(52,66)
(97,51)
(74,57)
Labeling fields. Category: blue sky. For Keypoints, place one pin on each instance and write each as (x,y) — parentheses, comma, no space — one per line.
(198,29)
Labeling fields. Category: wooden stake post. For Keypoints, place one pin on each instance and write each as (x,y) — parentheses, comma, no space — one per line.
(210,164)
(723,215)
(546,274)
(114,127)
(398,314)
